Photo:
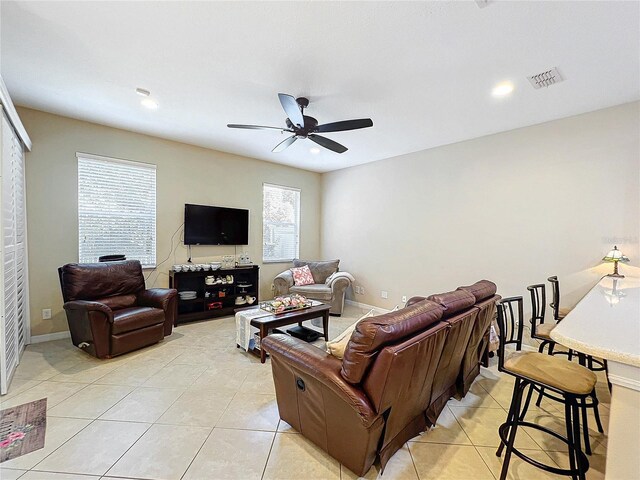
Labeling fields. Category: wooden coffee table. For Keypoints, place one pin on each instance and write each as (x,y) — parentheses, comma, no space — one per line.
(264,324)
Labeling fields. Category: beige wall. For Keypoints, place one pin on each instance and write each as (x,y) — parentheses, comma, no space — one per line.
(514,208)
(185,174)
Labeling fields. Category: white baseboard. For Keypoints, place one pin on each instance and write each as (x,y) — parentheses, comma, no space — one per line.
(365,306)
(50,336)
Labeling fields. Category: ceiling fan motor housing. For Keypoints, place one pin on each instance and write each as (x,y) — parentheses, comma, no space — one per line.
(310,124)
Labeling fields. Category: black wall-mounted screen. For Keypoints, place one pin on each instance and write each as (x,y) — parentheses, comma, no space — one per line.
(205,225)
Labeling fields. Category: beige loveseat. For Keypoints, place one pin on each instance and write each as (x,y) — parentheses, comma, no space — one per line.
(330,287)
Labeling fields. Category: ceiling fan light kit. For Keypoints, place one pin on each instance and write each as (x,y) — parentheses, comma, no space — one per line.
(303,126)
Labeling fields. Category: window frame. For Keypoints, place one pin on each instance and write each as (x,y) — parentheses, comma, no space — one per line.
(299,192)
(116,160)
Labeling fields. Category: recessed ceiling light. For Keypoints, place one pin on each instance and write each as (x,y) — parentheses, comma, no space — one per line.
(147,102)
(315,150)
(143,92)
(502,89)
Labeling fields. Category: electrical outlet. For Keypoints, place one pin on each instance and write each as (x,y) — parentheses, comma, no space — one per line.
(46,313)
(356,288)
(361,290)
(384,294)
(404,298)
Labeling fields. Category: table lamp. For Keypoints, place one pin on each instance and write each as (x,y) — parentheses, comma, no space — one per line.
(615,256)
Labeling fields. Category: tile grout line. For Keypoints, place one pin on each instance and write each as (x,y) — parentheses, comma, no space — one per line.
(459,424)
(197,453)
(413,462)
(60,446)
(264,470)
(484,461)
(125,452)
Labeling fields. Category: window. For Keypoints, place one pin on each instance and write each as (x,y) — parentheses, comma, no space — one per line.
(280,223)
(116,209)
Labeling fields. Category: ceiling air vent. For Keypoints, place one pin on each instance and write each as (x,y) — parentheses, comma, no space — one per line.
(545,79)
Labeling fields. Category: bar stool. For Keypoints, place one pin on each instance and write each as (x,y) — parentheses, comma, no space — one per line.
(541,331)
(572,382)
(591,363)
(558,313)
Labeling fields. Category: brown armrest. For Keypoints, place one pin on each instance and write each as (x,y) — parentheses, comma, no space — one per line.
(89,306)
(413,300)
(323,367)
(156,297)
(90,326)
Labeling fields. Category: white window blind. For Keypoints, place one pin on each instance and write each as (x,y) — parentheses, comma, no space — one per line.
(280,223)
(116,209)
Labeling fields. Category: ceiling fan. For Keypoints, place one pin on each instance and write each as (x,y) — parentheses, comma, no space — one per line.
(303,126)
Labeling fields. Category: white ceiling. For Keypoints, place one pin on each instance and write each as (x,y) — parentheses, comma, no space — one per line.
(423,71)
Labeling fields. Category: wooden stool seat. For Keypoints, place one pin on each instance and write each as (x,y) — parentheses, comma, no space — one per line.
(552,372)
(562,312)
(544,331)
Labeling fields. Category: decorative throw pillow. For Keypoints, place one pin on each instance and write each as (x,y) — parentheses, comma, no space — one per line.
(302,276)
(337,346)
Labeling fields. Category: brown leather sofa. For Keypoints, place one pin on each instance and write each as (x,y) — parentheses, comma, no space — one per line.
(398,371)
(484,293)
(109,310)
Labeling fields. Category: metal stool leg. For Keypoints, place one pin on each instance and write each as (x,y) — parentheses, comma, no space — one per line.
(582,468)
(512,433)
(511,414)
(539,401)
(526,403)
(568,415)
(551,347)
(585,427)
(596,412)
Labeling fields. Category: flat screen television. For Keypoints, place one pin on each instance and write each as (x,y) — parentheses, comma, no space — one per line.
(207,225)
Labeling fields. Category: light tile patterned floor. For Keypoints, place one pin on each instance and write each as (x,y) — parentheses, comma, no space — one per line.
(196,407)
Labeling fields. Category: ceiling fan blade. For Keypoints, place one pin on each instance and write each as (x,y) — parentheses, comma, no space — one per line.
(292,109)
(327,143)
(284,144)
(345,125)
(257,127)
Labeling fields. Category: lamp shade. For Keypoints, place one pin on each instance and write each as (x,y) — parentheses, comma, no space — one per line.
(615,255)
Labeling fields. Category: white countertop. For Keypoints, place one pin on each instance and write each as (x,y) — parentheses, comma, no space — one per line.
(606,322)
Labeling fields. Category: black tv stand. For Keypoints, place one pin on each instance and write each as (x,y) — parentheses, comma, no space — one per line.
(246,282)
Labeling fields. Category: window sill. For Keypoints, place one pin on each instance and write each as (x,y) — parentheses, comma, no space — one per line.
(278,261)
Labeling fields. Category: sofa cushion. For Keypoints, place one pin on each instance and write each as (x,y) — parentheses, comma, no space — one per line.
(88,281)
(302,276)
(319,269)
(481,290)
(128,319)
(453,302)
(337,346)
(371,334)
(119,301)
(317,291)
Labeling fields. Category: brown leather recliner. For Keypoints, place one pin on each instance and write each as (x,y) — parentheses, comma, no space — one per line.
(109,310)
(374,400)
(484,293)
(461,318)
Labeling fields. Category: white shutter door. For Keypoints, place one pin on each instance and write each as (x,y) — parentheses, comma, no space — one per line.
(14,306)
(8,330)
(22,305)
